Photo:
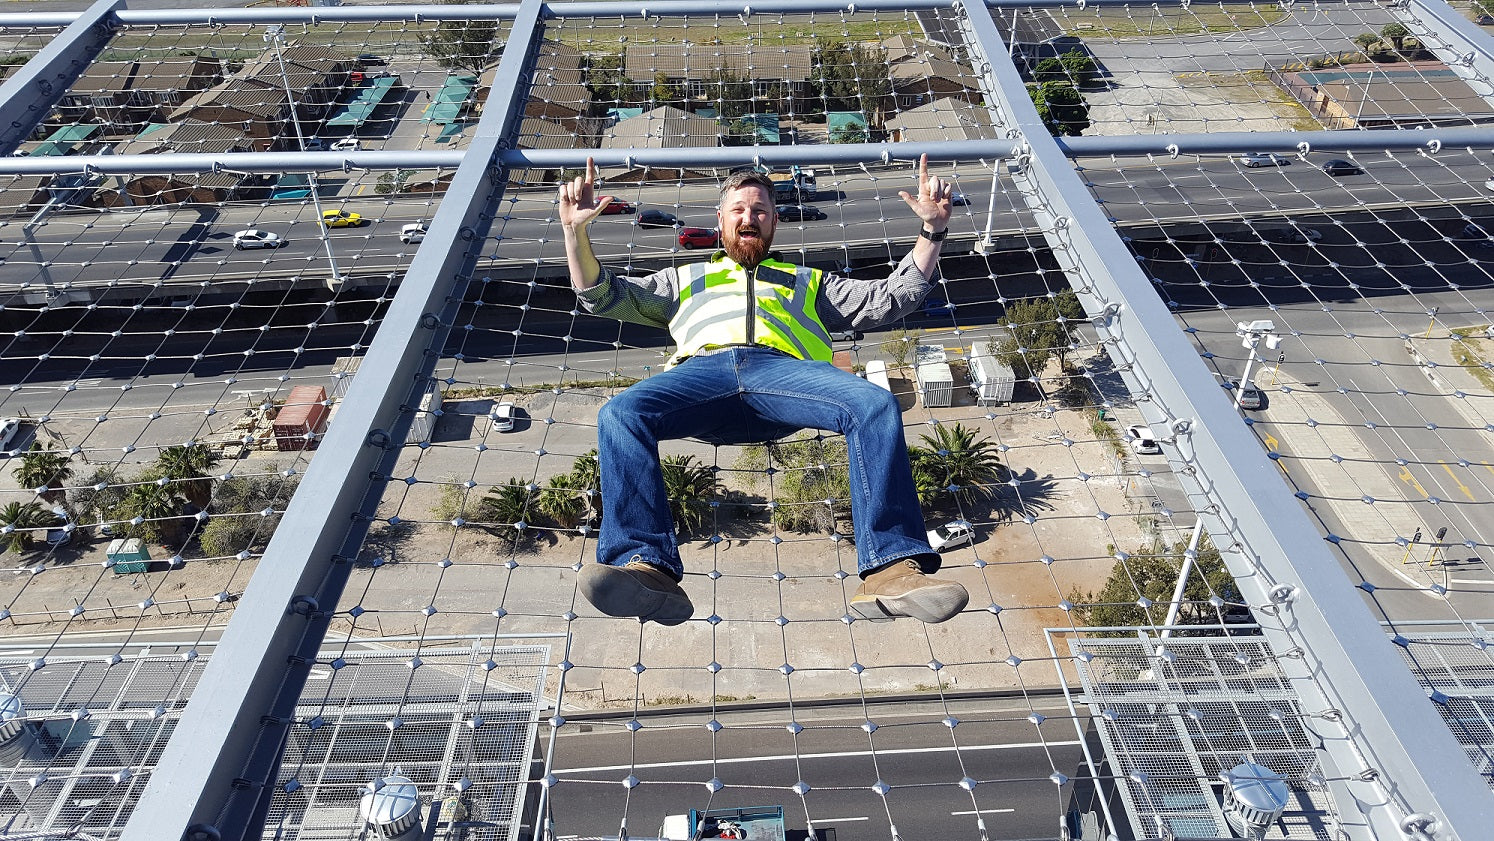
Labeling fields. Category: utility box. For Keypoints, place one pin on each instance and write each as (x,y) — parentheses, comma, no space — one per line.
(991,381)
(935,380)
(424,424)
(302,418)
(129,555)
(343,371)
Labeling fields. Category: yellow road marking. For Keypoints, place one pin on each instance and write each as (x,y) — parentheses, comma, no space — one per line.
(1456,481)
(1411,480)
(1274,446)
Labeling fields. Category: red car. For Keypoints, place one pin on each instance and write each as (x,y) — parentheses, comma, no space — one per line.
(618,206)
(699,237)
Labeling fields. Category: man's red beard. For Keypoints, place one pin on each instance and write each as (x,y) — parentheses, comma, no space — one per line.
(749,251)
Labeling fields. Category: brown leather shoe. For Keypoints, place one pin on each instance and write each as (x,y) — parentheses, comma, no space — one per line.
(637,588)
(901,589)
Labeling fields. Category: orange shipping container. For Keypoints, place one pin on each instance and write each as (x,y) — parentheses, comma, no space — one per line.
(304,412)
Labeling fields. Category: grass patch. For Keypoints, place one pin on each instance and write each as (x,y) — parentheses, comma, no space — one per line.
(1103,431)
(1154,22)
(1465,352)
(793,31)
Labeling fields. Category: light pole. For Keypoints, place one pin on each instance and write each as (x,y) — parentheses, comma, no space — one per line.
(1250,338)
(275,35)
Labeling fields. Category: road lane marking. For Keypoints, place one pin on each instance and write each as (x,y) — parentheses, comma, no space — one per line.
(783,757)
(982,812)
(839,820)
(1456,481)
(1274,446)
(1411,480)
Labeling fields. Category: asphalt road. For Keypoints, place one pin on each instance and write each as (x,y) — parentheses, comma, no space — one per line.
(759,761)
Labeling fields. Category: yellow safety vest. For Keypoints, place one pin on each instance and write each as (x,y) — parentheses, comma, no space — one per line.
(723,303)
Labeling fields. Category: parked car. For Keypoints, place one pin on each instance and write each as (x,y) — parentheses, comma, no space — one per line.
(1250,398)
(1142,441)
(957,198)
(848,336)
(1474,230)
(800,213)
(372,60)
(1339,166)
(618,208)
(62,533)
(341,218)
(951,534)
(1255,159)
(699,237)
(9,429)
(255,238)
(314,144)
(356,77)
(347,144)
(936,307)
(503,417)
(658,219)
(1489,185)
(413,232)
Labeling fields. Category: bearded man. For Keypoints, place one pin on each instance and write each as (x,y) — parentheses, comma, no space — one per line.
(752,365)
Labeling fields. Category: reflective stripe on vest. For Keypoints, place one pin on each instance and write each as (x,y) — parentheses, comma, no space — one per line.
(714,306)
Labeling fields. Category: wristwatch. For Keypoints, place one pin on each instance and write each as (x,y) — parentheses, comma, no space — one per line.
(933,236)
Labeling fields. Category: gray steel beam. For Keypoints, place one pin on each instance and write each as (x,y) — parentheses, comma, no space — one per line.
(216,775)
(1474,48)
(1406,768)
(30,94)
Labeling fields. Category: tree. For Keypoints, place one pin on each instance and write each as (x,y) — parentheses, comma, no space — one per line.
(1366,40)
(44,467)
(188,466)
(1080,67)
(563,500)
(240,523)
(807,475)
(1396,34)
(1050,69)
(740,132)
(954,457)
(507,504)
(158,506)
(1037,331)
(469,45)
(690,488)
(20,522)
(1152,573)
(1066,108)
(852,77)
(900,345)
(605,80)
(731,93)
(664,92)
(98,496)
(849,133)
(588,473)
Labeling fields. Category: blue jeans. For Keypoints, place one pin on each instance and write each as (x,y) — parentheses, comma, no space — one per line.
(754,395)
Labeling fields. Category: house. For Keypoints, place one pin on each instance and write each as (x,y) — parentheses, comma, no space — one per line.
(1389,100)
(123,96)
(901,48)
(190,136)
(254,99)
(557,91)
(925,77)
(942,119)
(535,133)
(665,127)
(779,74)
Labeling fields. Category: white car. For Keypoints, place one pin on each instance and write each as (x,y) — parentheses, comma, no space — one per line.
(1255,159)
(503,417)
(951,534)
(413,232)
(9,427)
(347,144)
(314,144)
(63,534)
(254,238)
(1251,398)
(1489,185)
(1143,442)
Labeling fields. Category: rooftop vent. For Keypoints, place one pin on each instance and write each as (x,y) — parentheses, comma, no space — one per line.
(1254,798)
(391,809)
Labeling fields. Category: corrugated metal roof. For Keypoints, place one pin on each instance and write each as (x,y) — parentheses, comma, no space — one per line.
(790,62)
(927,67)
(943,119)
(665,127)
(901,48)
(535,133)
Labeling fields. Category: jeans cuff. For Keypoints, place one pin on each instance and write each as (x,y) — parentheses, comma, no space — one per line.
(675,571)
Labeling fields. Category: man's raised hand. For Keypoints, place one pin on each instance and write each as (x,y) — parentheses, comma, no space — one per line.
(579,204)
(932,204)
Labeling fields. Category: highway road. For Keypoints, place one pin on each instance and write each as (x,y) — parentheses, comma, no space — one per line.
(759,761)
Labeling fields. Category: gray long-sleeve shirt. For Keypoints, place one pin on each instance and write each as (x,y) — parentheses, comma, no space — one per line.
(844,303)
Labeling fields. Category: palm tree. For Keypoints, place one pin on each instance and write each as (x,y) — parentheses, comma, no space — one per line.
(44,467)
(954,457)
(588,474)
(690,488)
(188,466)
(156,503)
(19,523)
(563,500)
(506,504)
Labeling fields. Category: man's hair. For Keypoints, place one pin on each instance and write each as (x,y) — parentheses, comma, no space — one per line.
(737,180)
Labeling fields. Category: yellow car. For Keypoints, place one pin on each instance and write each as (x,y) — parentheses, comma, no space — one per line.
(341,219)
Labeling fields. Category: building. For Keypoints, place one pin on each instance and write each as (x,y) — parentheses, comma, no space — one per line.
(123,96)
(942,119)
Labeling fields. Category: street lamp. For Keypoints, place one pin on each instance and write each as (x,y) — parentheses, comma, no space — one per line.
(276,35)
(1251,335)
